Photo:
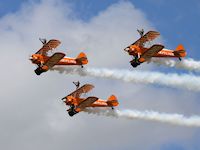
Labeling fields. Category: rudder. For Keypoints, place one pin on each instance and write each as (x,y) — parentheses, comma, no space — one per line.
(180,51)
(112,101)
(82,58)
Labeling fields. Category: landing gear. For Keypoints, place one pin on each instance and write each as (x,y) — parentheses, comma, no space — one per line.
(72,112)
(135,62)
(38,71)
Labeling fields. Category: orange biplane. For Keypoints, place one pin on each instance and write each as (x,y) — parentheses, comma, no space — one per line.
(142,54)
(45,62)
(78,104)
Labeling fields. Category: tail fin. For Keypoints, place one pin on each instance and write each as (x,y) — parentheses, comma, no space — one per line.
(82,59)
(112,101)
(180,51)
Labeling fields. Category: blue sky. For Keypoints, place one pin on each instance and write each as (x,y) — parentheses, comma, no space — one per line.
(10,6)
(177,22)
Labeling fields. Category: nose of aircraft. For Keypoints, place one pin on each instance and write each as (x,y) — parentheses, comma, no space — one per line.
(30,58)
(33,58)
(127,49)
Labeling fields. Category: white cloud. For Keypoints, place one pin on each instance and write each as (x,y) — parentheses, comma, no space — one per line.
(32,115)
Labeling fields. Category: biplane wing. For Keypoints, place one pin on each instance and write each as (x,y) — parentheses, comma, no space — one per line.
(48,46)
(83,89)
(151,52)
(54,59)
(86,103)
(149,36)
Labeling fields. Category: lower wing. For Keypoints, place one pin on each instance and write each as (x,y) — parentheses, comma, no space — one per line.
(150,52)
(86,103)
(54,59)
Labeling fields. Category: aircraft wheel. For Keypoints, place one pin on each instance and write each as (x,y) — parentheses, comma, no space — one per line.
(134,63)
(71,113)
(38,71)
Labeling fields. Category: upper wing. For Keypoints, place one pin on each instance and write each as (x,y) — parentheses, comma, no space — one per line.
(54,59)
(83,89)
(48,46)
(149,36)
(151,51)
(87,102)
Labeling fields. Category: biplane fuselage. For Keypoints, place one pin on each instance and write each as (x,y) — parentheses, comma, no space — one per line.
(104,103)
(40,59)
(98,103)
(44,62)
(135,50)
(142,53)
(78,104)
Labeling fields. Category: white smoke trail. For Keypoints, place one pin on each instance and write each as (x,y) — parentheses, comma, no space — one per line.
(184,81)
(175,119)
(187,64)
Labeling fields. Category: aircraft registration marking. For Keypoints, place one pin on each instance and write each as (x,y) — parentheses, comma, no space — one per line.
(69,61)
(165,52)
